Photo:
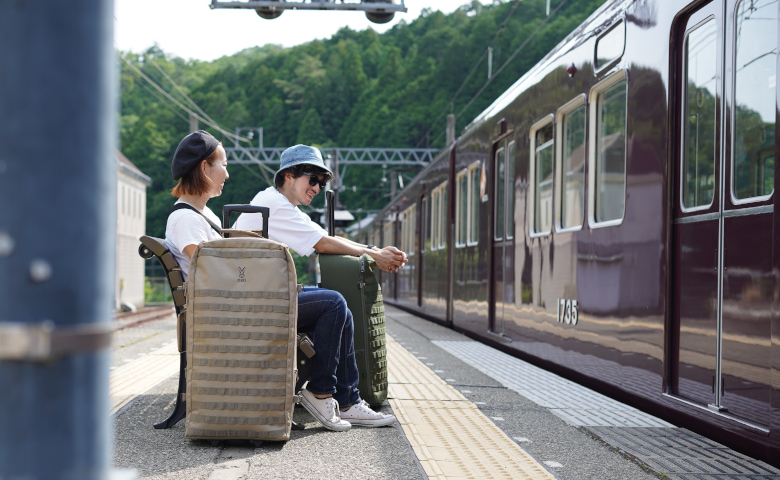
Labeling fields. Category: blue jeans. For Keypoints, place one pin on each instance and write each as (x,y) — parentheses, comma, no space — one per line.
(324,315)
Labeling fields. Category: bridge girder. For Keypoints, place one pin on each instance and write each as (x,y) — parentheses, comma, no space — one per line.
(352,156)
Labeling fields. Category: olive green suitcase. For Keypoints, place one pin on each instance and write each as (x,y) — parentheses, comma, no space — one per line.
(354,278)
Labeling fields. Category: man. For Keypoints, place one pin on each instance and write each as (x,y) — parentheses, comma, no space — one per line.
(331,394)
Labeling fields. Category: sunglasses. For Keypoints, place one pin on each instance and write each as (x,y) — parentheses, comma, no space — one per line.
(314,180)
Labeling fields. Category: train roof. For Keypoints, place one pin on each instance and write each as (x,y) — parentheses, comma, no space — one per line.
(594,24)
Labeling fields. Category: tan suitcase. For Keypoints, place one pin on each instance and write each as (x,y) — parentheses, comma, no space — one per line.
(242,303)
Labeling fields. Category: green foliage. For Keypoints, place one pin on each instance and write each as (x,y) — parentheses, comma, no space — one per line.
(355,89)
(157,291)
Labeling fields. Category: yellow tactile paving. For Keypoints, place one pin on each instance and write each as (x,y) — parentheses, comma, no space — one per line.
(450,436)
(139,376)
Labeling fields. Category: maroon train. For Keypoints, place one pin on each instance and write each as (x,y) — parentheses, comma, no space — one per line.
(612,217)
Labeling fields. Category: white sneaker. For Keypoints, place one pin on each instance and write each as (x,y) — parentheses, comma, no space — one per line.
(325,410)
(362,415)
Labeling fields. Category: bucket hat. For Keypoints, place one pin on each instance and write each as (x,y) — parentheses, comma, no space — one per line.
(300,154)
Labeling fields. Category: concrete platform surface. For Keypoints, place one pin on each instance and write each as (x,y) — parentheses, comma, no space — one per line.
(465,410)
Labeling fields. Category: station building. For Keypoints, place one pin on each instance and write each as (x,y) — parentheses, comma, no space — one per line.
(130,226)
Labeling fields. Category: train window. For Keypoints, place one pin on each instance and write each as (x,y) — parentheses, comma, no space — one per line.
(541,175)
(510,190)
(443,215)
(498,204)
(388,233)
(607,151)
(698,165)
(439,216)
(472,235)
(754,97)
(423,224)
(435,219)
(408,223)
(461,206)
(570,164)
(610,46)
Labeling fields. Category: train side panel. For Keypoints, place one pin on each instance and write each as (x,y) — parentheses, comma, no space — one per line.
(568,222)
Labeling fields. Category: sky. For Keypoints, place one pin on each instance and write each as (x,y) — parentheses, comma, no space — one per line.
(190,29)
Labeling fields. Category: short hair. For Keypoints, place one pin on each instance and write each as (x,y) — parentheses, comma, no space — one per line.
(195,182)
(297,171)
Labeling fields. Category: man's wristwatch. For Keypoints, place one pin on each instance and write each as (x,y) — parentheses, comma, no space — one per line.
(370,247)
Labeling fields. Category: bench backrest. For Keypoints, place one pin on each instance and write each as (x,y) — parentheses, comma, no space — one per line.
(155,247)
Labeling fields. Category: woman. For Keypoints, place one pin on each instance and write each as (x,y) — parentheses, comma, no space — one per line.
(200,165)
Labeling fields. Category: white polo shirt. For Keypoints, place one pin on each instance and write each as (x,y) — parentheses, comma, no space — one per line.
(286,223)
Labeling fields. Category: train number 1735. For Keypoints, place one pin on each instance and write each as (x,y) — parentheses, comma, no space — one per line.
(568,311)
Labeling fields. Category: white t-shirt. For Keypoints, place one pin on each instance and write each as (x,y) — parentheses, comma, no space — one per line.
(186,227)
(286,223)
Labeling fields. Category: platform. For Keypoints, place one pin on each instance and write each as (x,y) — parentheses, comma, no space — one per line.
(465,410)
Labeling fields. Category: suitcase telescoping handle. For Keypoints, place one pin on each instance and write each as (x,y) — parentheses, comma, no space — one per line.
(331,212)
(228,209)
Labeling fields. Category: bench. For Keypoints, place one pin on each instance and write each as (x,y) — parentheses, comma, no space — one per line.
(152,247)
(155,247)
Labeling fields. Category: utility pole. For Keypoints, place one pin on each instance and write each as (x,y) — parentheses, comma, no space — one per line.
(58,87)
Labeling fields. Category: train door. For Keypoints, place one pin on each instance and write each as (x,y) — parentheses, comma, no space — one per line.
(502,259)
(723,207)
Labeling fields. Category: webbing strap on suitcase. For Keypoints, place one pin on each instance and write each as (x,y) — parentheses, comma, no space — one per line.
(354,278)
(242,307)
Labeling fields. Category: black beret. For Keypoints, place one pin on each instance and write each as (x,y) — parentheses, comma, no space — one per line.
(192,150)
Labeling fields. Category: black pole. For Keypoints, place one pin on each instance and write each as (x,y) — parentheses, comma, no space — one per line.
(57,236)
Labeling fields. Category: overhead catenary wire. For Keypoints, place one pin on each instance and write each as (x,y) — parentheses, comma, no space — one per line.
(186,97)
(504,65)
(236,136)
(200,117)
(474,69)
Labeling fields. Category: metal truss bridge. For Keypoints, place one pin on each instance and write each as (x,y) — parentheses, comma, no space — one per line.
(343,156)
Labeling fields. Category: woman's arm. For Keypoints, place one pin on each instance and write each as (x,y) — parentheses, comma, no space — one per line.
(190,250)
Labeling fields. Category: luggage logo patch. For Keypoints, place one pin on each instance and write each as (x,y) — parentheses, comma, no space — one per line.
(241,275)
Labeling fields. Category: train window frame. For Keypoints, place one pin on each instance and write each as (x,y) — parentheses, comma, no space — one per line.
(594,129)
(609,62)
(734,124)
(461,210)
(546,121)
(511,169)
(434,217)
(443,216)
(388,225)
(408,224)
(439,217)
(560,134)
(682,132)
(473,179)
(499,194)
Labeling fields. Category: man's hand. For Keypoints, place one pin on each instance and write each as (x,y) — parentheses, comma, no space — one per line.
(389,259)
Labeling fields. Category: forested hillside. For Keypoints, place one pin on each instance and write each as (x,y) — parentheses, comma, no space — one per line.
(355,89)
